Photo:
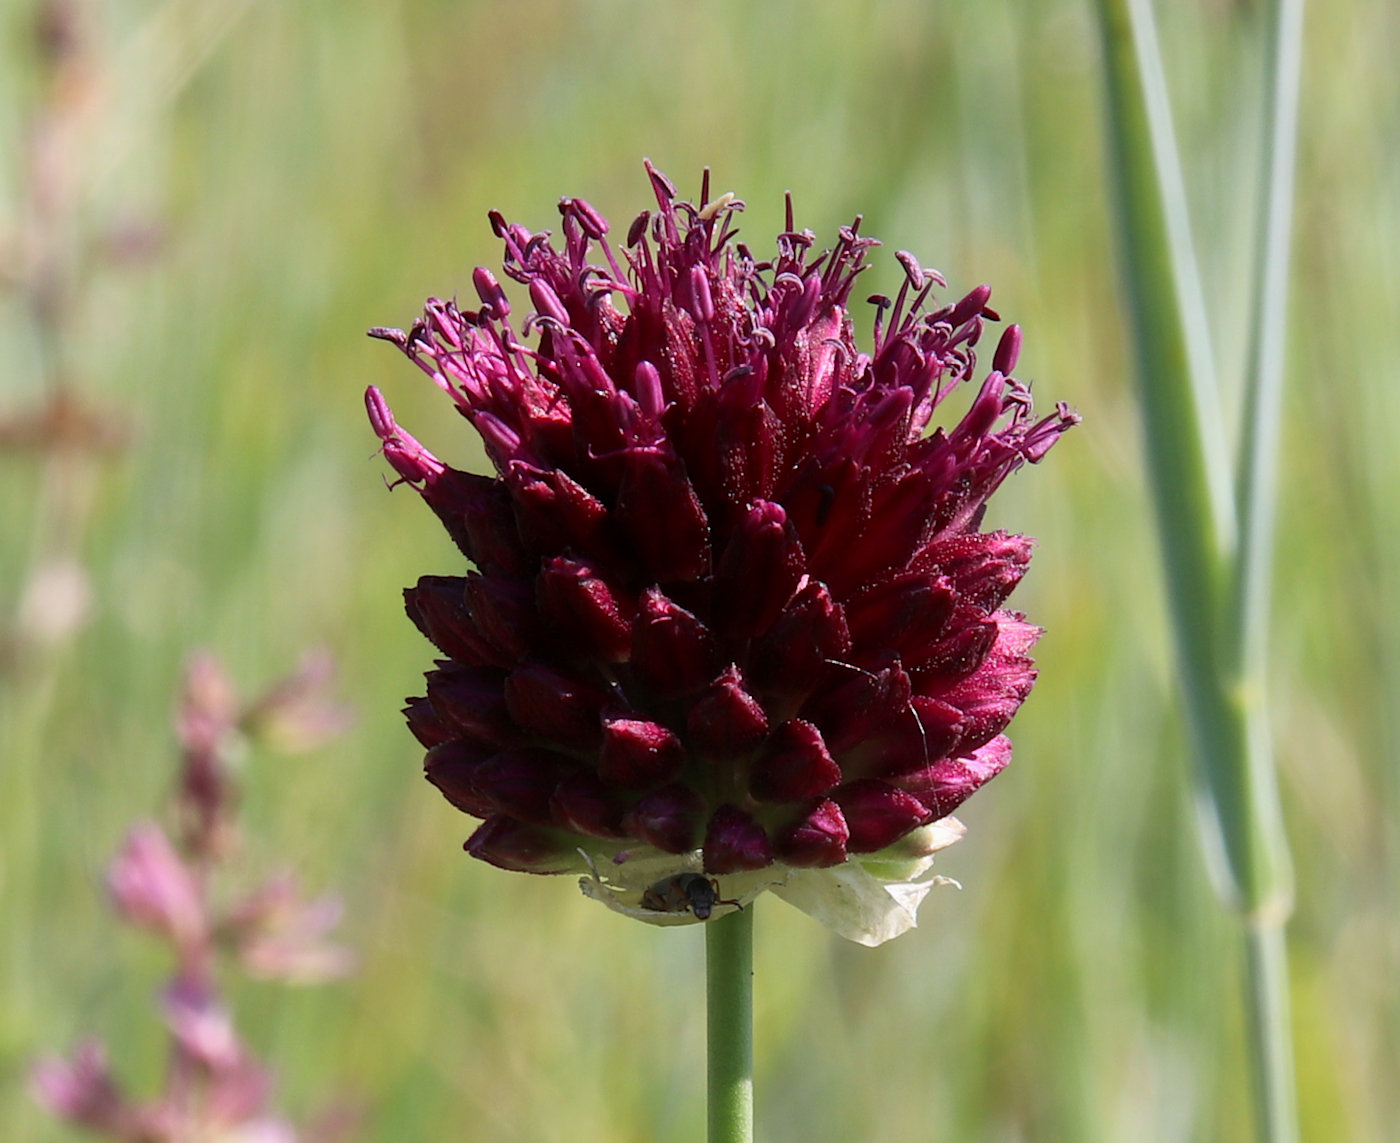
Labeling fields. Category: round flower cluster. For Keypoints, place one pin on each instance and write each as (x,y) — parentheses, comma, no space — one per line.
(731,613)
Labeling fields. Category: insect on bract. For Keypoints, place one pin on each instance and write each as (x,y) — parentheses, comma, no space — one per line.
(693,892)
(668,889)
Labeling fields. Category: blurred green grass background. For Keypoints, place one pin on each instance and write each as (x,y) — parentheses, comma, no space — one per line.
(313,169)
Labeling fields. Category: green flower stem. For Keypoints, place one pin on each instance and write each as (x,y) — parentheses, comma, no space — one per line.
(729,1016)
(1217,570)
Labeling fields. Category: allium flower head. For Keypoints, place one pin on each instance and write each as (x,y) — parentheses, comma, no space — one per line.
(731,611)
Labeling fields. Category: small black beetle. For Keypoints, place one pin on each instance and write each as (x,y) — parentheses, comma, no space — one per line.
(693,892)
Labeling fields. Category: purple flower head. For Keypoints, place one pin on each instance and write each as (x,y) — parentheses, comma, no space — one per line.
(731,609)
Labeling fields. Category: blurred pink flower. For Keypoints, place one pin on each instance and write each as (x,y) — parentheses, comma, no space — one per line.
(297,714)
(154,889)
(282,936)
(82,1091)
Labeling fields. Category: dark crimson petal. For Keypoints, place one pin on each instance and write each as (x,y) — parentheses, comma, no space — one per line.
(425,724)
(668,818)
(584,804)
(504,612)
(896,528)
(858,704)
(829,505)
(817,840)
(662,519)
(476,512)
(672,651)
(878,814)
(522,782)
(735,842)
(438,609)
(798,650)
(676,358)
(794,765)
(585,609)
(984,567)
(972,634)
(522,848)
(761,567)
(730,443)
(946,784)
(452,768)
(926,730)
(900,614)
(638,754)
(554,512)
(556,706)
(995,691)
(472,701)
(726,720)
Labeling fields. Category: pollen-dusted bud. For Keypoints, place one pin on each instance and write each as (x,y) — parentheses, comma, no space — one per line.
(637,754)
(509,844)
(555,706)
(817,839)
(734,841)
(576,601)
(668,818)
(726,720)
(672,650)
(794,766)
(878,814)
(746,603)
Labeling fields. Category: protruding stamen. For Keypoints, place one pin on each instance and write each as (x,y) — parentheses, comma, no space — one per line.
(409,459)
(881,304)
(647,388)
(489,290)
(721,203)
(593,224)
(970,306)
(912,270)
(700,294)
(1008,350)
(501,440)
(547,302)
(385,333)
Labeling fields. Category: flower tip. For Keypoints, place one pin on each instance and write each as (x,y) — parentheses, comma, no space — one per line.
(912,270)
(664,187)
(488,289)
(971,306)
(547,303)
(381,418)
(1008,351)
(593,224)
(388,333)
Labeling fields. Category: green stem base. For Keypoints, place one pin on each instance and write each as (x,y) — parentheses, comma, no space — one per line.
(729,1016)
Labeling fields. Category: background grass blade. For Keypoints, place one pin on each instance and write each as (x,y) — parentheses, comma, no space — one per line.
(1217,594)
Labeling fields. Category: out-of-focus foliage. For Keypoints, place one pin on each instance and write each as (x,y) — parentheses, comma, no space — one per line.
(231,193)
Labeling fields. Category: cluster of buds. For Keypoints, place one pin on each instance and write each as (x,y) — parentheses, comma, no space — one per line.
(215,1087)
(732,615)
